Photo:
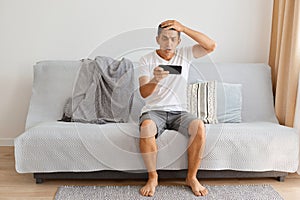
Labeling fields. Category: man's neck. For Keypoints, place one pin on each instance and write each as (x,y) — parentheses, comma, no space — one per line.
(165,56)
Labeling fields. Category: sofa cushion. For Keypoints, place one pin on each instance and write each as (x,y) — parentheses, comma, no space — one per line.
(53,83)
(69,147)
(52,86)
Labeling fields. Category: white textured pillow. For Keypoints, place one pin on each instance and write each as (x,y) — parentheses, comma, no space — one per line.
(202,101)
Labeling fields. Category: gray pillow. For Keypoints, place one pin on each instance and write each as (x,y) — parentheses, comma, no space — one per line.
(229,102)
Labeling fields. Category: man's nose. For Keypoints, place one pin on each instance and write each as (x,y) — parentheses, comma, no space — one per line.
(169,42)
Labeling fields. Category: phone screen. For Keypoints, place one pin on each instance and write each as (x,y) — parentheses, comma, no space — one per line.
(173,69)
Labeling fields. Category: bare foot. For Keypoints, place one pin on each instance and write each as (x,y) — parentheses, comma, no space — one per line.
(196,187)
(149,188)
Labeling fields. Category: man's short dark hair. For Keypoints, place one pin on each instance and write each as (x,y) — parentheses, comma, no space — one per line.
(159,29)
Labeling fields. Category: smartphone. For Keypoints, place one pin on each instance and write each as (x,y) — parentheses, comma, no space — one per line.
(173,69)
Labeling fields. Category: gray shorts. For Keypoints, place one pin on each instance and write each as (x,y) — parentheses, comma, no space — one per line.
(173,120)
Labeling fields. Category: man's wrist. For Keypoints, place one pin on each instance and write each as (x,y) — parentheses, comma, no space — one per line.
(154,81)
(184,29)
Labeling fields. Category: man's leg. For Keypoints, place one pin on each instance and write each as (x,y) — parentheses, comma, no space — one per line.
(195,151)
(148,149)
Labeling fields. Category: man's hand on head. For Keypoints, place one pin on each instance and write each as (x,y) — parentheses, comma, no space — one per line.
(173,24)
(159,73)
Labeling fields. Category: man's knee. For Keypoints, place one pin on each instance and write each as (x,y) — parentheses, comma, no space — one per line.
(197,128)
(148,129)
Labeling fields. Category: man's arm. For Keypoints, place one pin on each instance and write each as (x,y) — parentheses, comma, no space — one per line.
(205,44)
(147,86)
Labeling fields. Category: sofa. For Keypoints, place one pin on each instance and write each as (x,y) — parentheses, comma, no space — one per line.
(255,146)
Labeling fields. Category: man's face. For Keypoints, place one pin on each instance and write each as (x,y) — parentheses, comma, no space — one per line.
(168,40)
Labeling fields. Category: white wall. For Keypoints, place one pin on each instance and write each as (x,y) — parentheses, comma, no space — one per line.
(35,30)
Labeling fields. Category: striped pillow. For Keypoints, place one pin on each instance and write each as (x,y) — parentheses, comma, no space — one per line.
(202,101)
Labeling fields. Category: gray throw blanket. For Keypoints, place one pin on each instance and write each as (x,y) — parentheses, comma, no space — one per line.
(103,92)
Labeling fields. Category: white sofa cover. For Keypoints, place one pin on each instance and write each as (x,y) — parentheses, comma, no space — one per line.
(257,144)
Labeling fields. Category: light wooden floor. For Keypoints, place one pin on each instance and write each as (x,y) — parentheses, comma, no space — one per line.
(22,186)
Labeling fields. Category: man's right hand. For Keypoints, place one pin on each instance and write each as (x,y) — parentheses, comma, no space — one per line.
(147,86)
(159,73)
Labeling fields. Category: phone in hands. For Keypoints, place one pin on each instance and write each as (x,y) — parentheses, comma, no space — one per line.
(173,69)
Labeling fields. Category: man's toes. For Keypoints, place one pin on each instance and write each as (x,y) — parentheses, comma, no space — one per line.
(197,193)
(204,192)
(151,193)
(143,192)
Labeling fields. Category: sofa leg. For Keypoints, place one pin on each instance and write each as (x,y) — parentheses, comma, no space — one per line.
(39,180)
(281,178)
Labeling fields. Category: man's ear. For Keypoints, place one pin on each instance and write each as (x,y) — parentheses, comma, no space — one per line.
(157,40)
(179,40)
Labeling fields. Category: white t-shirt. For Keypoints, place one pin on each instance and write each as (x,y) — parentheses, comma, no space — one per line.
(170,93)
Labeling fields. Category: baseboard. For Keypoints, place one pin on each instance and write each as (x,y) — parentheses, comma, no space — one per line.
(6,141)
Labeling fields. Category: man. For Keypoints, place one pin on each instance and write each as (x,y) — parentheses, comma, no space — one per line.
(166,106)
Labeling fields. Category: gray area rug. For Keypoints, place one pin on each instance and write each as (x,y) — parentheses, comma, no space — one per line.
(220,192)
